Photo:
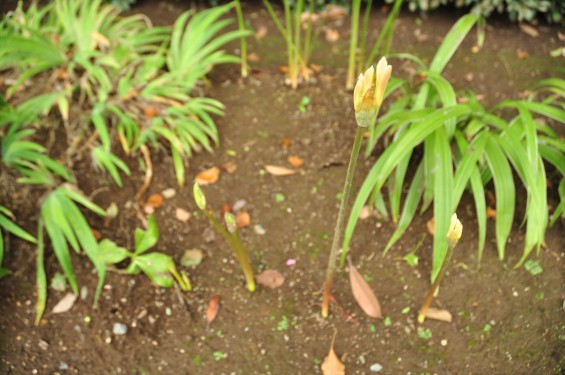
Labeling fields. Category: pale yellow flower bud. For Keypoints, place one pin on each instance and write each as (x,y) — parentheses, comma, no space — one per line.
(369,92)
(455,231)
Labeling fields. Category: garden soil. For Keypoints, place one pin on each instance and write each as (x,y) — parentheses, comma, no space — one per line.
(505,321)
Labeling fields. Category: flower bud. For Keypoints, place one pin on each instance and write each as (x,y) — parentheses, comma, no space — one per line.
(369,92)
(231,224)
(455,231)
(199,197)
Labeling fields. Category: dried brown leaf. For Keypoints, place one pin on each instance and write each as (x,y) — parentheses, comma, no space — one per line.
(431,226)
(230,167)
(295,161)
(213,307)
(243,219)
(363,293)
(332,35)
(65,304)
(530,30)
(332,365)
(522,54)
(491,213)
(154,200)
(150,112)
(208,176)
(286,142)
(253,57)
(270,278)
(279,171)
(439,314)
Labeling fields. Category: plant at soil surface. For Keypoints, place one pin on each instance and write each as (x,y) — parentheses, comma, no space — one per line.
(357,62)
(453,237)
(159,267)
(243,40)
(7,225)
(298,51)
(367,99)
(230,235)
(464,145)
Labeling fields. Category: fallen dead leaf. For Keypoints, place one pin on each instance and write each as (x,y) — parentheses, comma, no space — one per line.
(253,57)
(213,307)
(491,213)
(332,365)
(363,293)
(243,219)
(154,200)
(261,32)
(225,208)
(65,304)
(528,29)
(439,314)
(150,112)
(286,143)
(332,35)
(208,176)
(279,171)
(295,161)
(431,225)
(182,215)
(270,278)
(522,53)
(230,167)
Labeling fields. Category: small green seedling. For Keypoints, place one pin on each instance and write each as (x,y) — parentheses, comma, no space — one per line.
(230,235)
(304,103)
(159,267)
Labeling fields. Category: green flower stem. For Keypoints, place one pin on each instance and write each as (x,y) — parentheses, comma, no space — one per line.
(41,278)
(339,224)
(241,25)
(237,247)
(435,285)
(244,262)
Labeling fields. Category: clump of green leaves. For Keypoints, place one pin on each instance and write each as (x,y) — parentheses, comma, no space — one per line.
(465,146)
(230,235)
(7,225)
(159,267)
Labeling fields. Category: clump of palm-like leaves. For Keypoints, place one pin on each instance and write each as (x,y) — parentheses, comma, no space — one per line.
(465,146)
(131,81)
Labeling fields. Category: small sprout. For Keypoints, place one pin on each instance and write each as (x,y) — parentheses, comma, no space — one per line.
(283,324)
(487,328)
(372,328)
(406,310)
(424,333)
(533,267)
(199,197)
(218,356)
(231,224)
(387,321)
(279,197)
(411,259)
(304,102)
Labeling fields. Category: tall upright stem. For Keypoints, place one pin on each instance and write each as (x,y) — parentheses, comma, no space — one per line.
(356,6)
(339,224)
(241,25)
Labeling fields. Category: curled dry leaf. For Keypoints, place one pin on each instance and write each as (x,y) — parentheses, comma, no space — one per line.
(154,200)
(279,171)
(230,167)
(491,213)
(182,215)
(243,219)
(332,365)
(363,293)
(65,304)
(439,314)
(208,176)
(270,278)
(213,307)
(530,30)
(295,161)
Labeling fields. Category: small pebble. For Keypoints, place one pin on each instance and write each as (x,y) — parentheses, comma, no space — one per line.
(83,293)
(169,193)
(119,329)
(259,229)
(63,366)
(376,367)
(239,204)
(443,342)
(168,311)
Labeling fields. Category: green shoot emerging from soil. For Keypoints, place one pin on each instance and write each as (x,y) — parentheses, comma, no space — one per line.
(230,235)
(367,98)
(453,236)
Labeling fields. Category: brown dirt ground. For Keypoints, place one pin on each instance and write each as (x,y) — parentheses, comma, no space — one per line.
(505,321)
